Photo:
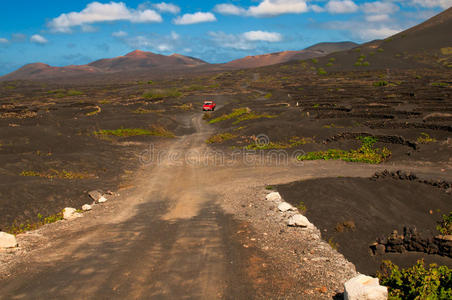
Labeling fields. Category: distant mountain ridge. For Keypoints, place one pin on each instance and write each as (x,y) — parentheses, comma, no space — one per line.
(143,61)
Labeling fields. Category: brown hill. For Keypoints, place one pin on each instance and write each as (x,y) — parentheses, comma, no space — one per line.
(136,61)
(428,44)
(317,50)
(141,60)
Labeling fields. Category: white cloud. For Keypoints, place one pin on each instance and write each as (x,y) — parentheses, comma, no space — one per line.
(97,12)
(38,39)
(376,33)
(341,6)
(88,28)
(444,4)
(379,8)
(266,8)
(3,41)
(167,7)
(119,33)
(278,7)
(316,8)
(244,41)
(233,41)
(229,9)
(198,17)
(262,36)
(377,18)
(174,35)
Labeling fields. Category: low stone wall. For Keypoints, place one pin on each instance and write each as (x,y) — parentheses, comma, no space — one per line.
(411,240)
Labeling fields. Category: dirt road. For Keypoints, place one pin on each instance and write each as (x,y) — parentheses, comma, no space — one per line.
(168,238)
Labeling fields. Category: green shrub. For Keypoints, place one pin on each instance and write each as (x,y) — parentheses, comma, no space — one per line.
(381,83)
(235,113)
(439,84)
(358,64)
(74,93)
(416,282)
(321,71)
(329,64)
(332,59)
(293,142)
(161,93)
(220,138)
(425,139)
(380,50)
(445,225)
(366,64)
(127,132)
(314,60)
(252,116)
(23,227)
(366,153)
(268,95)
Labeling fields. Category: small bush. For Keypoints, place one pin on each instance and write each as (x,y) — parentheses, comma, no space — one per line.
(252,116)
(20,228)
(161,93)
(314,60)
(127,132)
(321,71)
(366,64)
(445,225)
(416,282)
(220,138)
(235,113)
(366,153)
(74,93)
(439,84)
(380,50)
(332,59)
(329,64)
(358,64)
(381,83)
(425,139)
(302,207)
(268,95)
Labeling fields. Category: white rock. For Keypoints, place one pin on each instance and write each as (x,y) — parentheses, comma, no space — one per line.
(102,199)
(364,287)
(273,196)
(87,207)
(299,221)
(70,213)
(284,206)
(7,240)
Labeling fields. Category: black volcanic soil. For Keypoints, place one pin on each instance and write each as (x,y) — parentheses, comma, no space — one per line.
(376,207)
(48,129)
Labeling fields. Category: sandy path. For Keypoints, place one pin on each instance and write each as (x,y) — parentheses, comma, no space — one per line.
(171,237)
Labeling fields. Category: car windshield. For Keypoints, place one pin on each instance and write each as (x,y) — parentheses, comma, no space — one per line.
(207,103)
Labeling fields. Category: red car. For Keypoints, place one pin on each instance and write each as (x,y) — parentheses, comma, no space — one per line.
(208,105)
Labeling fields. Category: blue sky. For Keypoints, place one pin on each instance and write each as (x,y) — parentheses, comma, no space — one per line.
(77,32)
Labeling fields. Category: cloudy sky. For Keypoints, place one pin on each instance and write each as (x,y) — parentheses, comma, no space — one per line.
(77,32)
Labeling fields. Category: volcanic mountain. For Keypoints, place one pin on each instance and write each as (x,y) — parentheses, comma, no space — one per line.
(135,61)
(428,44)
(317,50)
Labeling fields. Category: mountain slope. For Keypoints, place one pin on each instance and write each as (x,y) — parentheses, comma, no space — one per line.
(317,50)
(135,61)
(428,44)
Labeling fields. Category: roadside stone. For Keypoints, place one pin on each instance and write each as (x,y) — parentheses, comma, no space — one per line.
(364,287)
(102,199)
(284,206)
(299,221)
(273,196)
(7,240)
(95,195)
(86,207)
(70,213)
